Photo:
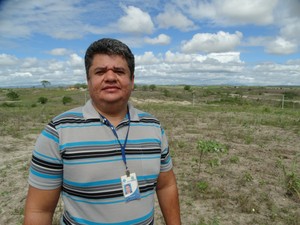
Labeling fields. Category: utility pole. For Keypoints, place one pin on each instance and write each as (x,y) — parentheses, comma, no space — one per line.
(282,102)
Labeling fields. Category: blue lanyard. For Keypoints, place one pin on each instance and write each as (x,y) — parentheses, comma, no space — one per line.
(123,147)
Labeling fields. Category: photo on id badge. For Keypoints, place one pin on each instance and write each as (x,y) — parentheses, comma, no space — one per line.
(130,187)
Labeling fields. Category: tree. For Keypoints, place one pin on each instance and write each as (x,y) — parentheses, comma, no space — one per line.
(45,83)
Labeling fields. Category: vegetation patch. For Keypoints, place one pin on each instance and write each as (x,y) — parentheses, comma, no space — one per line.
(235,150)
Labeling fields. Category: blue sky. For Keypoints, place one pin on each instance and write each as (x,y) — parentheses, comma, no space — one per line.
(204,42)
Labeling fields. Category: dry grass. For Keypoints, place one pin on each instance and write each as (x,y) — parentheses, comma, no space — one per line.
(256,181)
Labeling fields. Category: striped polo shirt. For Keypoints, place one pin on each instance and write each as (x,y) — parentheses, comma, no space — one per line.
(79,152)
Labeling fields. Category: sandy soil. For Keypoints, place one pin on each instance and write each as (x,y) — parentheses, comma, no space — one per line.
(246,185)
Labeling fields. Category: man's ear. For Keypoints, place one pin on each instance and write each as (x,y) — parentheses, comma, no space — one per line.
(132,80)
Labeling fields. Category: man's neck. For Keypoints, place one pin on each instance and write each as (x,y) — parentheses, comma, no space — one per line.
(114,113)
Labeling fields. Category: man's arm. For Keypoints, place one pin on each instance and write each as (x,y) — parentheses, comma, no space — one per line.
(40,206)
(167,194)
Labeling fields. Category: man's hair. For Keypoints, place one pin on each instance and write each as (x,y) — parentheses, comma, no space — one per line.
(109,46)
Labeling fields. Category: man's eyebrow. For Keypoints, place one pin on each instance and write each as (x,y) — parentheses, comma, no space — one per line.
(119,68)
(107,68)
(100,68)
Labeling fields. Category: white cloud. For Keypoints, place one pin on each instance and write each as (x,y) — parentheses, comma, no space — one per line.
(56,65)
(206,42)
(30,71)
(226,57)
(179,68)
(21,74)
(281,46)
(294,62)
(161,39)
(288,20)
(259,12)
(147,58)
(29,62)
(171,17)
(291,29)
(59,19)
(180,58)
(135,21)
(177,57)
(231,12)
(8,60)
(59,51)
(76,60)
(277,74)
(209,57)
(170,68)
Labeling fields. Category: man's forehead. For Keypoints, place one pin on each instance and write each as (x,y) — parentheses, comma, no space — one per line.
(103,61)
(109,58)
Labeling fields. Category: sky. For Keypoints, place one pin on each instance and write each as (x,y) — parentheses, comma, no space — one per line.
(190,42)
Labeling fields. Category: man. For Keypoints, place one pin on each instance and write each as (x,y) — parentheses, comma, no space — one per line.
(88,154)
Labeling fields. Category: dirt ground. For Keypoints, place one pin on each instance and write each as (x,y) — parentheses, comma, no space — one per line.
(246,185)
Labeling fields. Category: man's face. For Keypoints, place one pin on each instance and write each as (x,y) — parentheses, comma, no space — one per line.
(109,79)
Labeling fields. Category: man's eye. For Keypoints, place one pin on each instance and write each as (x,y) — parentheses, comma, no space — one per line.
(120,72)
(100,72)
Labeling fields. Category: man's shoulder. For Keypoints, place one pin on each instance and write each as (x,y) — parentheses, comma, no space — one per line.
(145,116)
(75,113)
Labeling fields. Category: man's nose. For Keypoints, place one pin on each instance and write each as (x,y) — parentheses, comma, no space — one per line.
(110,75)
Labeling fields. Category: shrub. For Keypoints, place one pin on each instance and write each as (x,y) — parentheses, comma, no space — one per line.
(166,93)
(6,104)
(291,179)
(80,85)
(152,87)
(292,184)
(209,146)
(42,100)
(144,88)
(202,186)
(12,95)
(66,99)
(290,95)
(187,88)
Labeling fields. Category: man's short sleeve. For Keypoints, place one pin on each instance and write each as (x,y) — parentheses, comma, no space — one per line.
(46,166)
(166,161)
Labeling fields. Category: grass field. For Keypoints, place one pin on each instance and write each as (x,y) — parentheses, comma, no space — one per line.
(236,150)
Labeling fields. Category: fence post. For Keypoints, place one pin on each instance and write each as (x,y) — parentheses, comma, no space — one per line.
(282,103)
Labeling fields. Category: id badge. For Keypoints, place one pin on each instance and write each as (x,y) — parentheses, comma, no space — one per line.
(130,187)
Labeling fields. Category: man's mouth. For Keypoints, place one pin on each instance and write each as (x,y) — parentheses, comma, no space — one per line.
(110,88)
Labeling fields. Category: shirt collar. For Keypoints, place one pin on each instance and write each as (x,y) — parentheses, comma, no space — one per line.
(89,111)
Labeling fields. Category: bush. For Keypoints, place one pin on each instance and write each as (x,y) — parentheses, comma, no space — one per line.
(152,87)
(290,95)
(187,88)
(12,95)
(80,85)
(166,93)
(145,88)
(6,104)
(42,100)
(66,99)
